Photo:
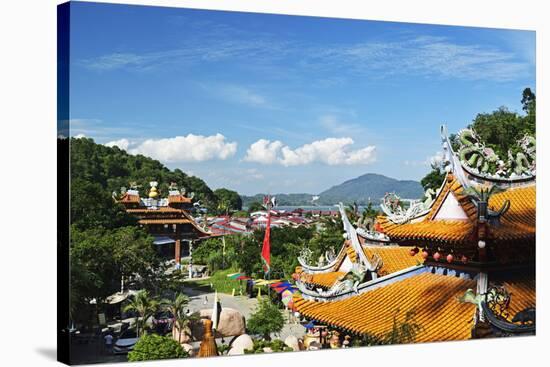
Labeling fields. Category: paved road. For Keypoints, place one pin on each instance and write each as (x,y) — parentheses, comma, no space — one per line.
(199,300)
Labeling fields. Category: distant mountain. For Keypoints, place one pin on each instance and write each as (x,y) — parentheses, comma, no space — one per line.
(371,186)
(357,190)
(282,199)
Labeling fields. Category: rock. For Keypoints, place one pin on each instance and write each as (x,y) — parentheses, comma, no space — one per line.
(292,342)
(314,346)
(268,350)
(231,323)
(189,349)
(240,344)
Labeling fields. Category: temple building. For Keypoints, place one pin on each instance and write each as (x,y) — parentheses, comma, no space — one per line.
(167,219)
(460,264)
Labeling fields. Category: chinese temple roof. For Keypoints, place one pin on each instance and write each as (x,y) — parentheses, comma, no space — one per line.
(522,291)
(165,221)
(394,258)
(433,298)
(322,279)
(518,223)
(179,198)
(128,198)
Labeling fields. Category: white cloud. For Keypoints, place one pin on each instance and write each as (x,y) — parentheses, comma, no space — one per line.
(79,136)
(336,126)
(427,56)
(254,174)
(239,94)
(263,151)
(435,160)
(121,143)
(190,148)
(331,151)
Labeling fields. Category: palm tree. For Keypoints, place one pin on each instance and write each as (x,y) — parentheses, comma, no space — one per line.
(177,308)
(144,307)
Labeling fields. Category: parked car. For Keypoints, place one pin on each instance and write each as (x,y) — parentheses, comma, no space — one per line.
(162,322)
(125,342)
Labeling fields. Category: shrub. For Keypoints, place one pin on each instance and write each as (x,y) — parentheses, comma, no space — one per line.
(152,346)
(266,320)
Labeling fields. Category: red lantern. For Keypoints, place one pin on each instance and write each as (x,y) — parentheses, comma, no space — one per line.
(425,254)
(450,258)
(437,256)
(464,259)
(411,252)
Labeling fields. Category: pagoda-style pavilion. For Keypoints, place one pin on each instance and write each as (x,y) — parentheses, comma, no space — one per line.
(167,219)
(473,248)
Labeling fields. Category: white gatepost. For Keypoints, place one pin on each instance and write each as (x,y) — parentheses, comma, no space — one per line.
(190,259)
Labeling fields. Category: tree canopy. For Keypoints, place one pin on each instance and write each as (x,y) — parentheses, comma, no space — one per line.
(267,319)
(502,128)
(101,257)
(499,130)
(227,200)
(152,347)
(97,171)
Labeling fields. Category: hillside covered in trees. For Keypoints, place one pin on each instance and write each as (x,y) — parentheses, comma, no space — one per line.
(97,171)
(106,245)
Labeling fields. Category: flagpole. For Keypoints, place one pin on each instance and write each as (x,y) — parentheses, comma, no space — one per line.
(266,246)
(268,228)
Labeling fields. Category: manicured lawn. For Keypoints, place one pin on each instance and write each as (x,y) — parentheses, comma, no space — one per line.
(220,282)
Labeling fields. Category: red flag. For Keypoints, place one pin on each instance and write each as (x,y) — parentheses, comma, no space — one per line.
(266,248)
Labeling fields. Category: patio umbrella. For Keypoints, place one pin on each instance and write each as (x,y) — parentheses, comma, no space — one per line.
(286,298)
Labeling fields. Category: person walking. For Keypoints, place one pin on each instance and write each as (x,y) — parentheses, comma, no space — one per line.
(108,343)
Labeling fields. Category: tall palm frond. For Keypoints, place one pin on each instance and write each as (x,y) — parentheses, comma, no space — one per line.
(178,308)
(144,307)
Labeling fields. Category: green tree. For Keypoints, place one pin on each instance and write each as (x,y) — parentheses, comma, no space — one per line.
(178,308)
(267,319)
(499,130)
(92,206)
(433,180)
(228,200)
(255,206)
(113,168)
(529,103)
(240,214)
(502,128)
(153,347)
(402,332)
(144,307)
(101,258)
(328,237)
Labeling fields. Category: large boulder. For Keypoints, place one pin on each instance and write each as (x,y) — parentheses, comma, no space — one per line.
(240,344)
(231,323)
(189,349)
(292,342)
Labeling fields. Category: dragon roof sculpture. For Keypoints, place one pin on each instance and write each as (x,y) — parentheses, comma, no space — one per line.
(480,161)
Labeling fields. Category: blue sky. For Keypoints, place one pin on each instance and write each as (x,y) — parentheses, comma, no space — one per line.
(275,103)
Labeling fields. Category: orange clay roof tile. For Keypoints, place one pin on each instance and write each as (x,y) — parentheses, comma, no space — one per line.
(517,224)
(432,297)
(323,279)
(394,258)
(522,290)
